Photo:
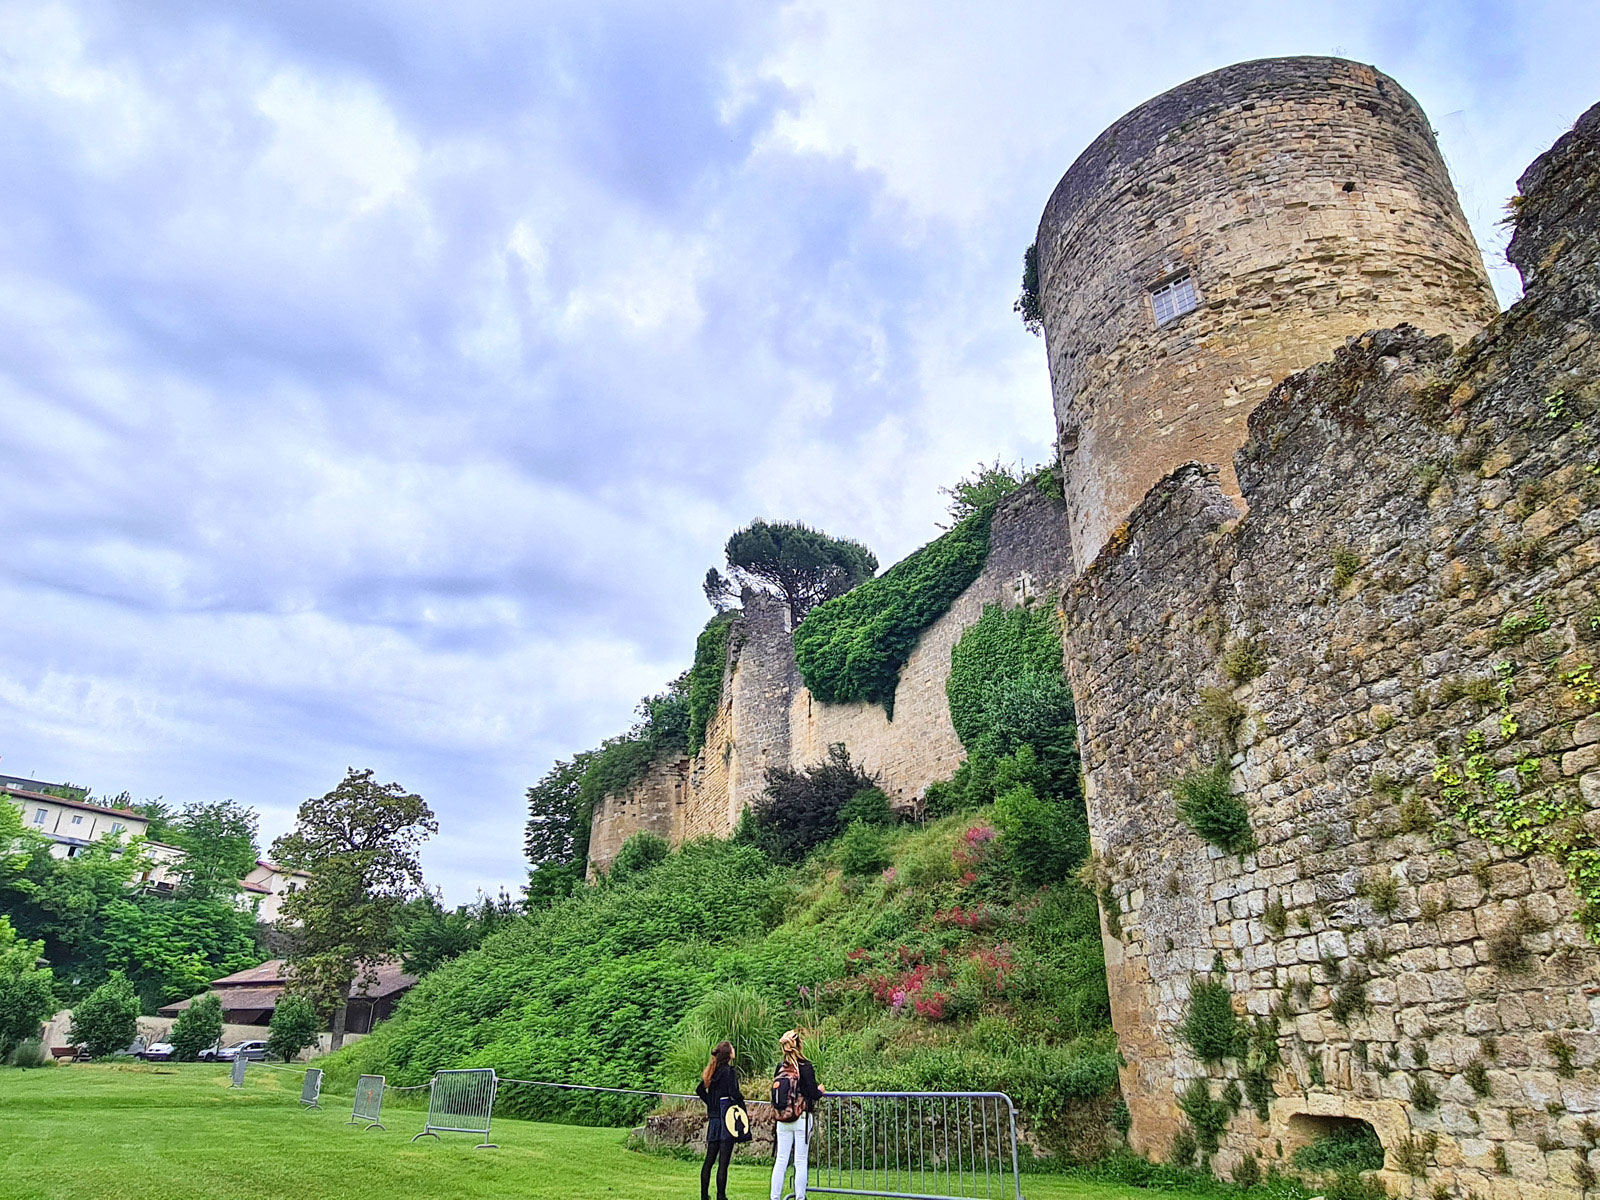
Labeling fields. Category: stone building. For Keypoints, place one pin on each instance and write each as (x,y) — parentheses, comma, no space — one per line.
(1370,608)
(768,717)
(1221,236)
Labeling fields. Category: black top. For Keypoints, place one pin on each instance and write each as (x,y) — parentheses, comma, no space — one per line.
(808,1084)
(724,1087)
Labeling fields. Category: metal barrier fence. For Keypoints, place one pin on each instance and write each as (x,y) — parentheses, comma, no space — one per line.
(461,1102)
(311,1089)
(368,1104)
(240,1062)
(916,1146)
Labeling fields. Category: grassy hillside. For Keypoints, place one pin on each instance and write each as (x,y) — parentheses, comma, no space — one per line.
(962,954)
(933,972)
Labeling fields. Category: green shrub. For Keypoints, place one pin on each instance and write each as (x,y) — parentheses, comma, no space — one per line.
(869,806)
(26,995)
(107,1019)
(1206,803)
(802,809)
(198,1027)
(1351,1147)
(852,647)
(1207,1117)
(738,1015)
(293,1028)
(861,850)
(1477,1076)
(704,691)
(1044,841)
(1423,1097)
(1241,661)
(1248,1173)
(638,854)
(1210,1026)
(1346,566)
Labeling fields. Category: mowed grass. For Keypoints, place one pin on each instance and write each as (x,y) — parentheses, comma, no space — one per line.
(147,1132)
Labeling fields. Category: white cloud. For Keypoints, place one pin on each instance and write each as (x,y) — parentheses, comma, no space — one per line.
(378,384)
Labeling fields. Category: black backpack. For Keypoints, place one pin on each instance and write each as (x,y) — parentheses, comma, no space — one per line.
(788,1101)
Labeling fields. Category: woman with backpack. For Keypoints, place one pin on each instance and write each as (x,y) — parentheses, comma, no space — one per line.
(794,1098)
(719,1088)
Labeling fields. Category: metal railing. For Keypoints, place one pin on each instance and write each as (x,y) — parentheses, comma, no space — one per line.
(368,1104)
(311,1089)
(461,1102)
(240,1062)
(916,1146)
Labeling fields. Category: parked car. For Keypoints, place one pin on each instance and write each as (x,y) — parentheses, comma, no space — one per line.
(156,1052)
(254,1051)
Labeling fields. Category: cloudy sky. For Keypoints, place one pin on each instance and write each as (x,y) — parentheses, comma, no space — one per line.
(378,379)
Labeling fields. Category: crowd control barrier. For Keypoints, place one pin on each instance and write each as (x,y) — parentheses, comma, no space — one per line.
(368,1104)
(240,1062)
(916,1146)
(311,1089)
(461,1102)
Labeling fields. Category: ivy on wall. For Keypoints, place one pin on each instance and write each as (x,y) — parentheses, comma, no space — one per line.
(853,647)
(1001,645)
(705,677)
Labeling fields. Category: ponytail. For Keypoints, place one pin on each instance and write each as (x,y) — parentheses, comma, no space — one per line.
(720,1057)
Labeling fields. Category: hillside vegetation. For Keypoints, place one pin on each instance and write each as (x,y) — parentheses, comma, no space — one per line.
(962,953)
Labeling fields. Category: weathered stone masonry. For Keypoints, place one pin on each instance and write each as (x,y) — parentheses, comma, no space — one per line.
(1416,580)
(769,718)
(1305,201)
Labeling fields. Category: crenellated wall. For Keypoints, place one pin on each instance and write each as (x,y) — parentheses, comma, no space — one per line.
(1397,653)
(769,718)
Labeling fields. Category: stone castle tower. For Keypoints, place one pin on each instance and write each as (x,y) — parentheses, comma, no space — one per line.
(1385,665)
(1221,236)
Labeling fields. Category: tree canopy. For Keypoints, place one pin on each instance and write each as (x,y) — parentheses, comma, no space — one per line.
(359,843)
(982,489)
(802,565)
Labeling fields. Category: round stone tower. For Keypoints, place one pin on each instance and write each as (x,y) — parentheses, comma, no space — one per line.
(1222,236)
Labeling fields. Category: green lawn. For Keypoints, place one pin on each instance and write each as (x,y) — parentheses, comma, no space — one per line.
(140,1132)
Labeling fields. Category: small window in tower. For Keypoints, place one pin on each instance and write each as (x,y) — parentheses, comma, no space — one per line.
(1173,298)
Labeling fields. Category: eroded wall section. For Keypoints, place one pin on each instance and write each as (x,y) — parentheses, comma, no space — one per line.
(1397,652)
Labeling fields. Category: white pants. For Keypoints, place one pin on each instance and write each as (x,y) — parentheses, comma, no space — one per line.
(791,1137)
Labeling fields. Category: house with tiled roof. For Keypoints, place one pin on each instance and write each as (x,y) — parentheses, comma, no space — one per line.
(249,997)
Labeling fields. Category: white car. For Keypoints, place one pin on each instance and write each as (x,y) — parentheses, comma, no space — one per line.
(255,1051)
(156,1052)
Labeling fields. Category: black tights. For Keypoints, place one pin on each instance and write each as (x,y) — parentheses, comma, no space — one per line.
(718,1152)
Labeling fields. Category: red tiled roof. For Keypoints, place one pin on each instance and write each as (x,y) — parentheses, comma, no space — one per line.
(83,804)
(258,988)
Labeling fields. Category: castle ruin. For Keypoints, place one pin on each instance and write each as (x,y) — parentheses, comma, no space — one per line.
(1384,647)
(1364,595)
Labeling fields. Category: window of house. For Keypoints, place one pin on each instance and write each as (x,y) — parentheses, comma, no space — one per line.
(117,827)
(78,820)
(41,816)
(1174,298)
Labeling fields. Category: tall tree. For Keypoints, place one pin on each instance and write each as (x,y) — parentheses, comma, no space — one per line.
(219,848)
(802,565)
(359,844)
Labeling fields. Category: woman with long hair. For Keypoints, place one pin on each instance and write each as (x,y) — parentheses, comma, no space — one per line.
(719,1088)
(794,1098)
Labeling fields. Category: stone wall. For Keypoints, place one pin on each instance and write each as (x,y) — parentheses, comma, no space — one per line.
(769,718)
(1305,200)
(1029,558)
(654,804)
(1397,652)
